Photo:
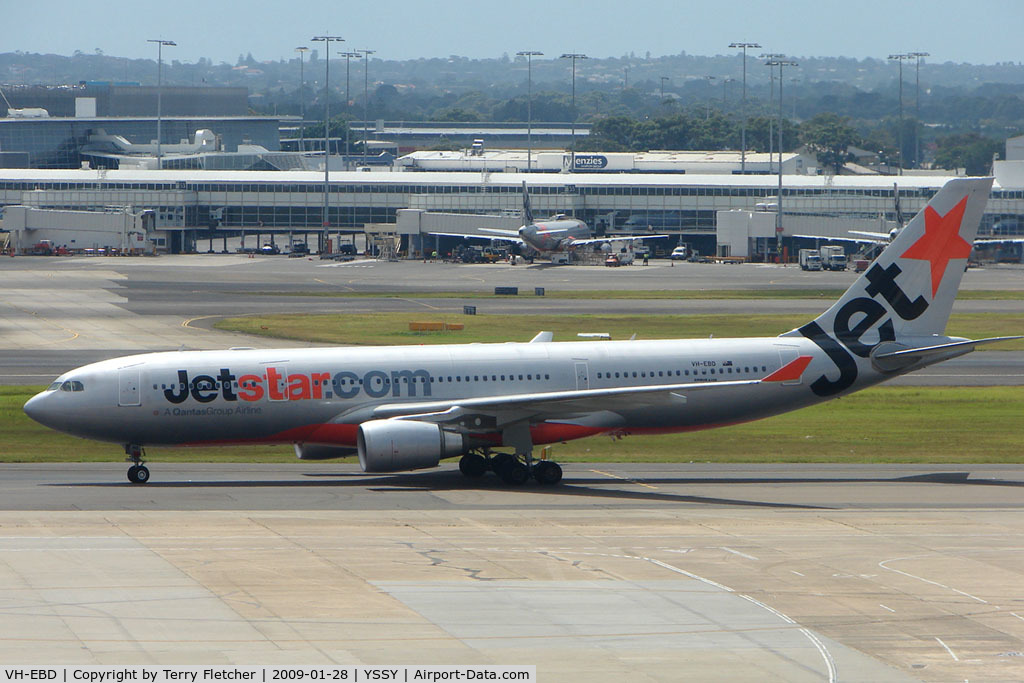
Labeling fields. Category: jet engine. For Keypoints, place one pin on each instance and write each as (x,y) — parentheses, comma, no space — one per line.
(396,445)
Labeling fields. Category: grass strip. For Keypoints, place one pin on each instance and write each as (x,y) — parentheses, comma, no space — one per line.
(393,328)
(880,425)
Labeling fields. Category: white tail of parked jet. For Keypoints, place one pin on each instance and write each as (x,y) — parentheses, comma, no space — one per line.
(527,211)
(406,408)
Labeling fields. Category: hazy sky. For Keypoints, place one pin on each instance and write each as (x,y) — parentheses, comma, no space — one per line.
(980,31)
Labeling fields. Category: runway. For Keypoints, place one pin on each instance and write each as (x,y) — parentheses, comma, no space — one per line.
(628,572)
(60,313)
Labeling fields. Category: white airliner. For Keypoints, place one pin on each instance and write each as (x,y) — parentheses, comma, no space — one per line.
(868,238)
(406,408)
(558,233)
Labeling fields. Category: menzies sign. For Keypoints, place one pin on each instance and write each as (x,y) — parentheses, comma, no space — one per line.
(590,162)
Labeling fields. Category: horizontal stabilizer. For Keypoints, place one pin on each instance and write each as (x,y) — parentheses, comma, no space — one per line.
(897,360)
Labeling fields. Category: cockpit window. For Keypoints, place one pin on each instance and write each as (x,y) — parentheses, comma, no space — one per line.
(53,387)
(72,385)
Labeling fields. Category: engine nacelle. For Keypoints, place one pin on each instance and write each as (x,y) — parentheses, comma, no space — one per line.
(396,445)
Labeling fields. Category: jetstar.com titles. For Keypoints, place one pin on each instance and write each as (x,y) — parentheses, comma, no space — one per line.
(276,384)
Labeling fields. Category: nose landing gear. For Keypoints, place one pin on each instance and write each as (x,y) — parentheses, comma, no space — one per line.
(137,473)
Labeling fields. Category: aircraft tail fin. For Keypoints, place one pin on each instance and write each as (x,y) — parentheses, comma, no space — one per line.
(908,291)
(527,211)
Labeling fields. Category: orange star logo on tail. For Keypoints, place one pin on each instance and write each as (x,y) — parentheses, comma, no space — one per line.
(941,241)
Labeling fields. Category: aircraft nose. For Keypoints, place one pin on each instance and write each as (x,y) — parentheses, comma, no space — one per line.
(40,409)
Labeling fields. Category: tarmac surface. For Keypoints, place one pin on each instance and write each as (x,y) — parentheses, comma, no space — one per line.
(629,572)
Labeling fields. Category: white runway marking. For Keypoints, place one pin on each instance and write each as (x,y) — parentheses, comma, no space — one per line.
(825,654)
(737,552)
(951,653)
(882,564)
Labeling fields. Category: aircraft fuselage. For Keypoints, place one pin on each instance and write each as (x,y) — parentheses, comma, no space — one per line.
(321,395)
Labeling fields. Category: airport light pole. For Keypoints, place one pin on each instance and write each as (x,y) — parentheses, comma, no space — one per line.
(348,58)
(743,134)
(348,98)
(778,214)
(573,56)
(899,59)
(159,91)
(302,98)
(663,79)
(529,54)
(707,107)
(725,92)
(325,232)
(366,97)
(769,56)
(917,107)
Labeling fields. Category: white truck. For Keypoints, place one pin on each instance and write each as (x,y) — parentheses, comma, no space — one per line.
(833,257)
(810,259)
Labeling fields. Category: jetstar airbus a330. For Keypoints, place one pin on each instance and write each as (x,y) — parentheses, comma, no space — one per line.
(406,408)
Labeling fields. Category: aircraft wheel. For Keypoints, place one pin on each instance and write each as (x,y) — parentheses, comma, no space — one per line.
(547,472)
(473,465)
(138,474)
(513,472)
(499,460)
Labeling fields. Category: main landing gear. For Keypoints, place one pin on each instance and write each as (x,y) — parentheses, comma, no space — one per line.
(511,469)
(137,473)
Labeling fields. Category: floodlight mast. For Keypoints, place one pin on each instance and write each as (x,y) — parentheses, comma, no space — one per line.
(159,90)
(743,134)
(917,106)
(529,54)
(326,223)
(778,213)
(898,58)
(770,56)
(573,56)
(366,96)
(302,98)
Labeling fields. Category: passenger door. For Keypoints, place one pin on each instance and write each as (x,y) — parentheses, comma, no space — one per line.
(128,381)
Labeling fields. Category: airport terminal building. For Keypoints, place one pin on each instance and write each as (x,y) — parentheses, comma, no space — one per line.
(196,205)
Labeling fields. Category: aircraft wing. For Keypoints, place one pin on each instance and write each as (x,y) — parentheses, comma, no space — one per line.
(624,238)
(500,231)
(996,240)
(823,238)
(555,405)
(550,405)
(877,236)
(474,236)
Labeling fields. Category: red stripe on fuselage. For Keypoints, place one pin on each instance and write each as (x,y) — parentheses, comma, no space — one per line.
(544,433)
